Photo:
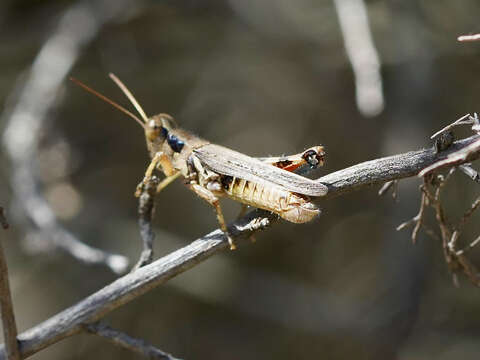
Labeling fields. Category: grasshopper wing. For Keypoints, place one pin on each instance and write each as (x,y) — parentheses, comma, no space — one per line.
(235,164)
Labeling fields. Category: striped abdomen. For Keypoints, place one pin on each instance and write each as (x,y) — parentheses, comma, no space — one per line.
(290,206)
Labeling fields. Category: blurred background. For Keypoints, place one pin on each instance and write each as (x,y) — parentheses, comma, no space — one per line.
(365,79)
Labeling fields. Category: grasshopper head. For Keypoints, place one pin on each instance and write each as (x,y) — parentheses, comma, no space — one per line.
(158,130)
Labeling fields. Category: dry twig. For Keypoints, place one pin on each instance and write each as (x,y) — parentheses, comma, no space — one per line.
(465,38)
(461,121)
(470,172)
(125,341)
(417,220)
(3,219)
(449,234)
(6,305)
(146,204)
(387,186)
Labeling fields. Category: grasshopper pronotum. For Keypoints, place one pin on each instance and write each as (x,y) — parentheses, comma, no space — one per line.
(213,171)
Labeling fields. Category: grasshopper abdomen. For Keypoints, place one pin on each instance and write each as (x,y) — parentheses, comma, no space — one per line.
(290,206)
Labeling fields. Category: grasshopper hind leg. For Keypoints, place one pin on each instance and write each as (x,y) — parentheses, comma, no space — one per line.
(210,197)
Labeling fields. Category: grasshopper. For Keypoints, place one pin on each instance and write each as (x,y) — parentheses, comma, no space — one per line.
(212,171)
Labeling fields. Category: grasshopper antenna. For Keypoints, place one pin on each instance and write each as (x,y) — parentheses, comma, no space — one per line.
(111,102)
(129,95)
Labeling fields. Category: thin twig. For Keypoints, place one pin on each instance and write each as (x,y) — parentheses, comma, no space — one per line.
(125,341)
(146,204)
(470,172)
(456,260)
(6,305)
(452,125)
(469,246)
(466,38)
(417,219)
(3,219)
(385,187)
(466,216)
(458,157)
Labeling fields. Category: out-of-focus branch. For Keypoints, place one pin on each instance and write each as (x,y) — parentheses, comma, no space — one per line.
(125,341)
(27,115)
(3,219)
(133,285)
(6,305)
(361,51)
(465,38)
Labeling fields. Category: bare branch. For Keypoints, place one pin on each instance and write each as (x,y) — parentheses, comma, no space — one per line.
(125,341)
(381,170)
(452,125)
(6,305)
(469,213)
(3,219)
(387,186)
(455,259)
(457,157)
(145,210)
(470,172)
(466,38)
(469,246)
(133,285)
(417,220)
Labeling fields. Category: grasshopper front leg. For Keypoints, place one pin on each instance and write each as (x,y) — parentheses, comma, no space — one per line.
(162,160)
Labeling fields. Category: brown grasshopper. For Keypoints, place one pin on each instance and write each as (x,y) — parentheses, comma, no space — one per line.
(213,171)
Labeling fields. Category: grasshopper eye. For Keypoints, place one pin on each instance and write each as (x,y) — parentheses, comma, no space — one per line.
(314,158)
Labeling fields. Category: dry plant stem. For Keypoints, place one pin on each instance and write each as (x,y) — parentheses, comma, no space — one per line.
(456,234)
(125,341)
(465,38)
(72,320)
(469,246)
(3,219)
(387,186)
(6,305)
(145,211)
(456,261)
(385,169)
(469,213)
(470,172)
(452,125)
(417,219)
